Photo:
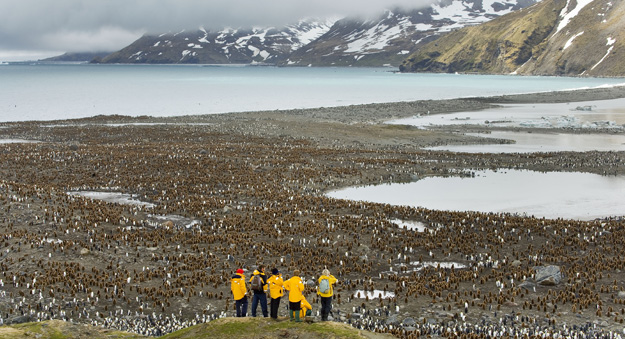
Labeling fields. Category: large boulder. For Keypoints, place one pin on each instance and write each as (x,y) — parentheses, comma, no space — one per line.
(548,275)
(409,322)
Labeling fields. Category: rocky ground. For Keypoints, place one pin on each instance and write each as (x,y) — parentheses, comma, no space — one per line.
(236,190)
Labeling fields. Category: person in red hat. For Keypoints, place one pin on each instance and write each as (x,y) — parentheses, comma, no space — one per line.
(239,292)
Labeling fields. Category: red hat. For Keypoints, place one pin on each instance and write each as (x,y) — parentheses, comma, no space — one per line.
(240,271)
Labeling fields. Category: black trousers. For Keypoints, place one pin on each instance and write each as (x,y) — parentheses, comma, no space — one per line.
(295,306)
(274,306)
(241,307)
(326,307)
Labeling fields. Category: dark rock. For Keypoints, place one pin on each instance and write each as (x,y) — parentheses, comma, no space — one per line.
(392,320)
(409,322)
(20,320)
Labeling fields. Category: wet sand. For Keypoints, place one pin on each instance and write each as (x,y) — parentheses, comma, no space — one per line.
(255,182)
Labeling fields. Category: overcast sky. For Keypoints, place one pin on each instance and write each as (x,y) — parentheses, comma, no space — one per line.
(32,29)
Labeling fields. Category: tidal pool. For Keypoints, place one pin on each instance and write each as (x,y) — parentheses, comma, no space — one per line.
(114,197)
(552,195)
(17,141)
(600,114)
(525,142)
(375,294)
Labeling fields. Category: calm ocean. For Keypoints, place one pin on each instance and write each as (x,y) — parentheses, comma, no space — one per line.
(60,91)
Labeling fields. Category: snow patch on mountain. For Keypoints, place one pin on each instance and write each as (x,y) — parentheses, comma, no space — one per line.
(570,41)
(333,41)
(374,39)
(611,44)
(463,13)
(567,16)
(309,32)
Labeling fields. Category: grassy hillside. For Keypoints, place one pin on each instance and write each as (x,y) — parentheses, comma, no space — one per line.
(553,37)
(57,329)
(498,46)
(267,328)
(222,328)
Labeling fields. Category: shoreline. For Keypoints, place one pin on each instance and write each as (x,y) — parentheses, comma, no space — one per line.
(436,106)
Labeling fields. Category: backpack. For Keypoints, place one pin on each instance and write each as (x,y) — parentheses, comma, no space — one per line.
(257,283)
(324,286)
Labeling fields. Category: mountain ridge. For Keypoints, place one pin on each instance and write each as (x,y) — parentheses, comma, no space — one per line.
(385,40)
(227,46)
(553,37)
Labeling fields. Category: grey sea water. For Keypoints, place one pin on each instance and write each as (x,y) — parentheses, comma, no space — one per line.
(61,91)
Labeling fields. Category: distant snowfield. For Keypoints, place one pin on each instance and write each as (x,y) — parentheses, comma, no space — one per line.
(461,20)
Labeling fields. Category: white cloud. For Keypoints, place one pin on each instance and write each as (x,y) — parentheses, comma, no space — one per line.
(21,55)
(112,24)
(102,39)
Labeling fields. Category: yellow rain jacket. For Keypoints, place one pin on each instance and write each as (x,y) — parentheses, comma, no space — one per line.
(295,286)
(332,280)
(305,307)
(237,285)
(276,286)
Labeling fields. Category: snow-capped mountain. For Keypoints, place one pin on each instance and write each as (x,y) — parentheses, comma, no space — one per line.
(390,38)
(228,46)
(553,37)
(386,40)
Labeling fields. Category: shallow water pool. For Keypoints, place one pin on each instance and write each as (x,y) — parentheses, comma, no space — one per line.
(525,142)
(598,114)
(581,196)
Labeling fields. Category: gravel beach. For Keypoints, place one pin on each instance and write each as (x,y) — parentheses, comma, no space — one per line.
(214,193)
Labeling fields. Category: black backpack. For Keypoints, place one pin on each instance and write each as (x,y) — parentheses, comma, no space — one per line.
(257,283)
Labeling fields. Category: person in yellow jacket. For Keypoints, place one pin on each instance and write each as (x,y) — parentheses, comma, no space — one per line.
(259,294)
(239,291)
(295,286)
(276,291)
(306,308)
(326,291)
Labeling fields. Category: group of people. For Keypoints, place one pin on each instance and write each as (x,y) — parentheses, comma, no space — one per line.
(260,285)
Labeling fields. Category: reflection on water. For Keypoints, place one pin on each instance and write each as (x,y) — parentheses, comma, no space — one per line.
(551,195)
(17,141)
(599,114)
(114,197)
(541,142)
(375,294)
(410,225)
